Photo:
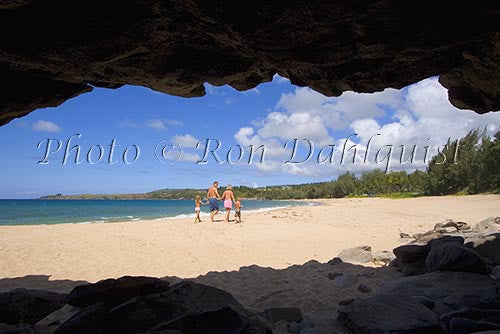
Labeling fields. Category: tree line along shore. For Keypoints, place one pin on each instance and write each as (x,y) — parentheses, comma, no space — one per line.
(476,171)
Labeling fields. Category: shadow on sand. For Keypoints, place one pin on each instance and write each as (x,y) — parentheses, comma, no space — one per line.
(315,288)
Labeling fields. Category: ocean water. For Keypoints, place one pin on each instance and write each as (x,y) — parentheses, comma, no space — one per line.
(36,212)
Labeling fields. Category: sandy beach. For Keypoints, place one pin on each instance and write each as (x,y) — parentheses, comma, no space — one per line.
(273,258)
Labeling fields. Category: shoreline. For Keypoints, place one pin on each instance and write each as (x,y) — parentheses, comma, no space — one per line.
(133,219)
(276,239)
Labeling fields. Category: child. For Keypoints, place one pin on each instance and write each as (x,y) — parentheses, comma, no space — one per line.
(197,208)
(237,214)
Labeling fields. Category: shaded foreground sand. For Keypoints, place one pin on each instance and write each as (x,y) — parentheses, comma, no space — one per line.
(292,242)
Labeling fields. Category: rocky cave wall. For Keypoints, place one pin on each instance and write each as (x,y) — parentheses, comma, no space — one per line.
(53,50)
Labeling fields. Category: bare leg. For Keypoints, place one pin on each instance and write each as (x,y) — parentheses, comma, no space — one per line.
(228,211)
(212,215)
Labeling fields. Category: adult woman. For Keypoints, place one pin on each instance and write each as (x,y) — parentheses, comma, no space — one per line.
(228,198)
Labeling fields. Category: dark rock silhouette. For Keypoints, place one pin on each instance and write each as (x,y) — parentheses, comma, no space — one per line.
(454,257)
(411,259)
(89,320)
(289,314)
(28,306)
(415,304)
(186,306)
(390,314)
(471,314)
(447,289)
(441,249)
(115,291)
(228,319)
(488,247)
(175,46)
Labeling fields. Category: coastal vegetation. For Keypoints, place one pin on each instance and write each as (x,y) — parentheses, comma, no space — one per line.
(474,170)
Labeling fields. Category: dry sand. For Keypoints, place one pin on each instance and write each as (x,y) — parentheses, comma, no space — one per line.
(273,258)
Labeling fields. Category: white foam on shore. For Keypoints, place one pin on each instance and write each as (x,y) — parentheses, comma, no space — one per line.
(206,214)
(123,219)
(116,217)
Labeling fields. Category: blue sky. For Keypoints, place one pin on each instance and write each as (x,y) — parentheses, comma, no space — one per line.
(270,115)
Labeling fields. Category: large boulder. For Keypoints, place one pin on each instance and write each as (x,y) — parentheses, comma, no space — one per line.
(115,291)
(385,314)
(467,326)
(453,239)
(142,313)
(414,304)
(449,290)
(446,253)
(411,259)
(59,316)
(411,253)
(383,257)
(451,226)
(28,306)
(19,329)
(454,257)
(487,226)
(473,314)
(229,319)
(87,321)
(432,236)
(488,247)
(495,272)
(362,254)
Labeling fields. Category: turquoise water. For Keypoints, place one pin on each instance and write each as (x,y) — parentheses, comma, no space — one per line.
(35,212)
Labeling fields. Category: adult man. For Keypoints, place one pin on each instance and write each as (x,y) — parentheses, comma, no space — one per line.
(213,197)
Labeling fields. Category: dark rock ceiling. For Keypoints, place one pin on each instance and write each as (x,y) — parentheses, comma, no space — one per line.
(53,50)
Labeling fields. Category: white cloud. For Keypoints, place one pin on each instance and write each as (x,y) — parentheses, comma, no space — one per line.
(279,79)
(304,125)
(338,112)
(211,90)
(186,140)
(153,123)
(274,148)
(46,126)
(251,91)
(418,115)
(230,100)
(427,117)
(215,90)
(190,157)
(128,123)
(174,122)
(188,144)
(156,124)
